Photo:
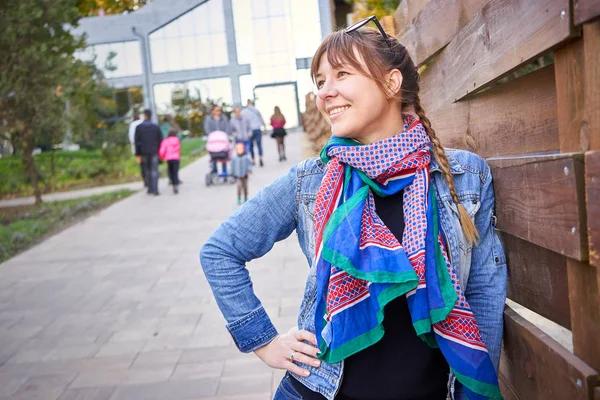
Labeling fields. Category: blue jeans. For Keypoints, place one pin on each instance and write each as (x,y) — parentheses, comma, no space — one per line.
(286,390)
(150,167)
(256,137)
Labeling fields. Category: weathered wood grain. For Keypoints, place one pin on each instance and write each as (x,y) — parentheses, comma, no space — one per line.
(540,199)
(584,300)
(406,12)
(591,50)
(517,117)
(434,26)
(504,35)
(569,73)
(537,367)
(537,279)
(592,179)
(585,10)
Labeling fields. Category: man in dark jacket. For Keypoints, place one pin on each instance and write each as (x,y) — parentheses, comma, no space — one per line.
(147,142)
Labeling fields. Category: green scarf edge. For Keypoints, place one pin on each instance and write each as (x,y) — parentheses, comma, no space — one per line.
(482,388)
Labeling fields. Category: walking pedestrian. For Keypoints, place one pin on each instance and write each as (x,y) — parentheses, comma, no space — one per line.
(241,169)
(216,121)
(147,142)
(240,128)
(278,122)
(257,123)
(134,124)
(170,152)
(407,282)
(168,124)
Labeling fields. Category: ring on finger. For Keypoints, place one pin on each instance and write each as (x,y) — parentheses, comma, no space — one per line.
(292,355)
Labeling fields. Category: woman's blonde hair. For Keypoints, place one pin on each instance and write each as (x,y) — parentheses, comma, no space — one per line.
(341,48)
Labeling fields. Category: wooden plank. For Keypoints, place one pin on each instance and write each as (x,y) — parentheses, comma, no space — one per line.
(586,10)
(537,279)
(591,49)
(540,199)
(504,35)
(406,12)
(592,179)
(537,367)
(435,25)
(514,118)
(584,300)
(570,97)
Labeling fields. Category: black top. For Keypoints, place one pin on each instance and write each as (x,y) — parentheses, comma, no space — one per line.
(400,365)
(147,138)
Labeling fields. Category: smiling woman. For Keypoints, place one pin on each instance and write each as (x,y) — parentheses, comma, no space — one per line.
(404,275)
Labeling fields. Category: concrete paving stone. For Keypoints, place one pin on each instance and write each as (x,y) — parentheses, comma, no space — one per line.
(28,355)
(198,356)
(121,348)
(245,385)
(238,368)
(152,359)
(176,320)
(137,335)
(176,330)
(10,384)
(43,387)
(122,377)
(211,369)
(145,313)
(74,352)
(213,339)
(254,396)
(98,393)
(176,390)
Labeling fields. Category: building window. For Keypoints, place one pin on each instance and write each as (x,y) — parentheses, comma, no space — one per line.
(115,60)
(195,40)
(306,27)
(271,34)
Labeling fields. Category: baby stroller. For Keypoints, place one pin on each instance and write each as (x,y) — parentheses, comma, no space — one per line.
(219,146)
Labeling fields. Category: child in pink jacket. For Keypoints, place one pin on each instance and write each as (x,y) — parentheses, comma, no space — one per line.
(170,151)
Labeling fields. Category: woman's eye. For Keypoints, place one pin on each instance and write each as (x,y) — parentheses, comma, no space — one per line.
(342,73)
(320,84)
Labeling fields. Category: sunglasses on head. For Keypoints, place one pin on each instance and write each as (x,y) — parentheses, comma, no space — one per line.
(365,21)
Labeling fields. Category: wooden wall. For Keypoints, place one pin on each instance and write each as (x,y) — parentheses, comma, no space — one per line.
(540,133)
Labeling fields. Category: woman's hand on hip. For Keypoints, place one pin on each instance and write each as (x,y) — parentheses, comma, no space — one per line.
(283,351)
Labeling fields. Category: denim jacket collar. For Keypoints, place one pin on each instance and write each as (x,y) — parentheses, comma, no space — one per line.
(455,166)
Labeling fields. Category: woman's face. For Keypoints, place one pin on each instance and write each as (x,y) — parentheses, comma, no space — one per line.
(352,103)
(216,112)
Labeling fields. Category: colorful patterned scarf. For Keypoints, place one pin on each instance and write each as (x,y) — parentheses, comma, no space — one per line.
(361,266)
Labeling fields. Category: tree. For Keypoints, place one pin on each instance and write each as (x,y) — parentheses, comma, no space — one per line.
(104,7)
(378,8)
(37,57)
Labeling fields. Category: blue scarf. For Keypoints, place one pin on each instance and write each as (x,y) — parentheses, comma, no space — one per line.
(361,266)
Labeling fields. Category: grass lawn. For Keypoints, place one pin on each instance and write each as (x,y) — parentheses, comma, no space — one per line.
(23,227)
(82,169)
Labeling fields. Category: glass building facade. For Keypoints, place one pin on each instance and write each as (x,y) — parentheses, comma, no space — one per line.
(224,51)
(195,40)
(115,60)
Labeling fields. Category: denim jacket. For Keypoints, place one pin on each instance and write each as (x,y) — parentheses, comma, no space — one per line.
(287,205)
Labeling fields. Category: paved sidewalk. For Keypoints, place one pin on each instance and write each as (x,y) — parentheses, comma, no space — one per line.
(117,307)
(72,194)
